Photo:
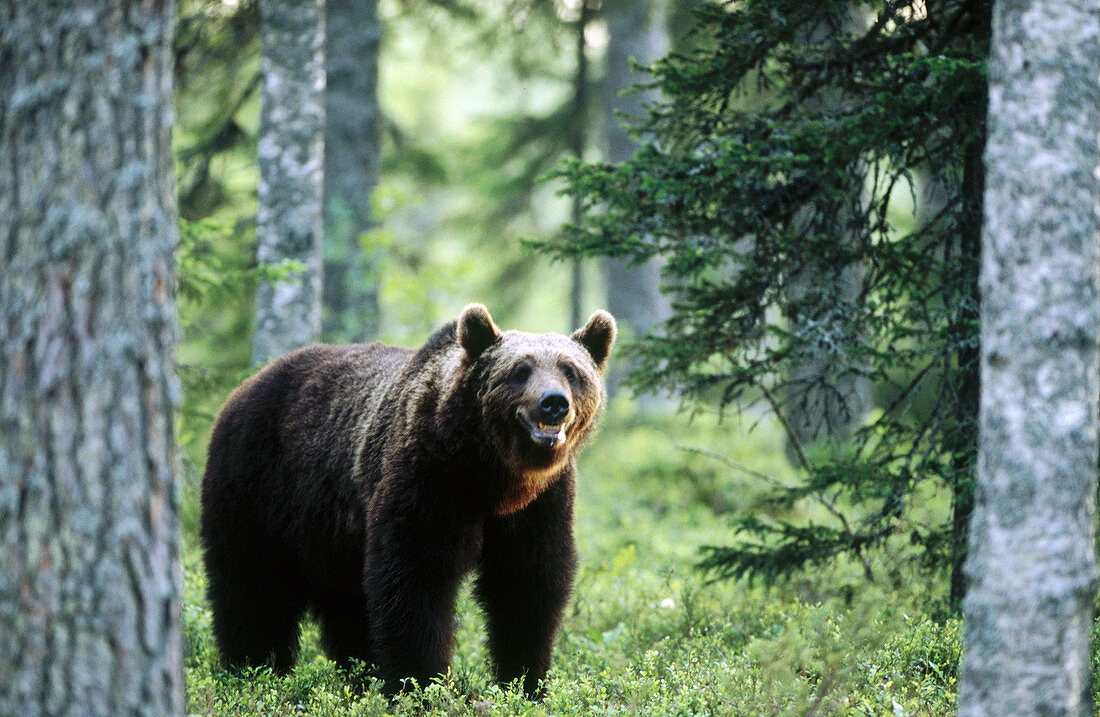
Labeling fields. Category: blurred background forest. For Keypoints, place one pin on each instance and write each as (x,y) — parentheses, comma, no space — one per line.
(788,197)
(779,201)
(475,102)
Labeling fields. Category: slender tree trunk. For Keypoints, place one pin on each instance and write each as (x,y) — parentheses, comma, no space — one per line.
(580,137)
(637,31)
(352,168)
(291,148)
(1031,567)
(90,579)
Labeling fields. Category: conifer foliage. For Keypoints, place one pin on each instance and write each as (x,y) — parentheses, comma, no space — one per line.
(795,154)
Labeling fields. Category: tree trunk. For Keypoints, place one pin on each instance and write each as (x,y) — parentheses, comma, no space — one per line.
(965,253)
(1031,566)
(826,396)
(577,145)
(291,148)
(90,579)
(352,168)
(636,31)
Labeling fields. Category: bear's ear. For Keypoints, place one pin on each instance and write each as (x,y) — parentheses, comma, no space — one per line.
(476,329)
(597,336)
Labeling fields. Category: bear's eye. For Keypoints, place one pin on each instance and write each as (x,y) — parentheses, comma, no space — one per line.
(521,373)
(570,374)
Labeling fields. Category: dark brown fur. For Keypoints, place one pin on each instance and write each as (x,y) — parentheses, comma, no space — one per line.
(365,481)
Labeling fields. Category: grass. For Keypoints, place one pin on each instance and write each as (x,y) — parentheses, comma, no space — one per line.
(645,634)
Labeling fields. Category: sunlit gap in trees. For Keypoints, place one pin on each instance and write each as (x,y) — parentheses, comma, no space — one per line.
(596,35)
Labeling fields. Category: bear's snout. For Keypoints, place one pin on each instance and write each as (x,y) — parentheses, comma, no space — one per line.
(553,407)
(546,419)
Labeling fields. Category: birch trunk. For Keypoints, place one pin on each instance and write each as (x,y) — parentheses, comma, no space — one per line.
(1031,565)
(291,148)
(352,168)
(90,579)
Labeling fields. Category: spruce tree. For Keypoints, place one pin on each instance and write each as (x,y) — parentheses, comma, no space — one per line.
(785,142)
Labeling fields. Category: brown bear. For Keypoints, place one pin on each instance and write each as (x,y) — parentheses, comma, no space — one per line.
(363,482)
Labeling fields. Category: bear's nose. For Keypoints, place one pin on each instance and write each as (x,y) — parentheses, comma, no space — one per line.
(552,407)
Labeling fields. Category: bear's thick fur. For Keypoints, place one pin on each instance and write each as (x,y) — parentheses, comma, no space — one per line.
(363,482)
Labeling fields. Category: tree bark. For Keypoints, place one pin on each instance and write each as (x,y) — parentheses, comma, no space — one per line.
(90,579)
(965,252)
(352,168)
(636,31)
(1031,565)
(291,147)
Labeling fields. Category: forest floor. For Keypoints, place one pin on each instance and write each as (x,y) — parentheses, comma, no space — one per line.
(645,633)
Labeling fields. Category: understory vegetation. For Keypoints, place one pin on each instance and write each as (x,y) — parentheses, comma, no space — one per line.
(646,634)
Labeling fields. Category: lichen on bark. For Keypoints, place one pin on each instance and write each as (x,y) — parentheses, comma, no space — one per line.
(1031,566)
(90,581)
(290,155)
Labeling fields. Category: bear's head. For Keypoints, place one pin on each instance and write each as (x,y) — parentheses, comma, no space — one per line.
(539,394)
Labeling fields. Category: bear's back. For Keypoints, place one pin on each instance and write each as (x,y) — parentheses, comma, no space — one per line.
(331,394)
(291,430)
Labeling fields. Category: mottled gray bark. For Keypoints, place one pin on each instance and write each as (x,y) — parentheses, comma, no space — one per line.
(1031,565)
(291,148)
(826,395)
(352,168)
(90,579)
(637,31)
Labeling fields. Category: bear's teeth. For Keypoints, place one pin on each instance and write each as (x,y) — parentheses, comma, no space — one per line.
(549,430)
(543,432)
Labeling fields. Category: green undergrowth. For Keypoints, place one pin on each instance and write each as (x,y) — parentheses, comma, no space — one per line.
(645,634)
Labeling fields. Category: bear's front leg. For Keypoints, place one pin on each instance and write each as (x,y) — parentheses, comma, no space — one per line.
(412,573)
(526,575)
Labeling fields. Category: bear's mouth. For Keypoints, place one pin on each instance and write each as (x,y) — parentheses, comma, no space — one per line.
(543,434)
